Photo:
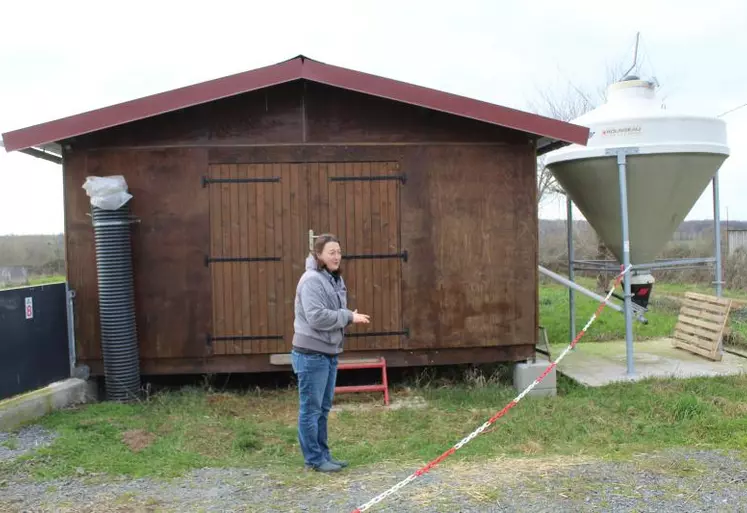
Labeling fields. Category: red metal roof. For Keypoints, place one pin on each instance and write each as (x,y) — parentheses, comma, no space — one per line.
(294,69)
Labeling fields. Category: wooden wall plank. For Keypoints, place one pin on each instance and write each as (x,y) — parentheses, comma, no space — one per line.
(225,269)
(385,247)
(261,283)
(366,267)
(296,227)
(324,203)
(216,248)
(288,281)
(234,251)
(315,222)
(252,228)
(377,290)
(395,265)
(268,284)
(277,284)
(245,204)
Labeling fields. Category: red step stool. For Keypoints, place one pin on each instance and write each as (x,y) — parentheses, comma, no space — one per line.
(366,363)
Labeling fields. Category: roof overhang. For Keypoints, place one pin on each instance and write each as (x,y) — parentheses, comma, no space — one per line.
(51,152)
(546,145)
(43,140)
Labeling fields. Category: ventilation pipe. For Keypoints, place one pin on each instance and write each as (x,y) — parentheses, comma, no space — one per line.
(119,341)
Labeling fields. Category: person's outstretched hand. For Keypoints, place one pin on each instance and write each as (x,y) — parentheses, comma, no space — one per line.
(360,318)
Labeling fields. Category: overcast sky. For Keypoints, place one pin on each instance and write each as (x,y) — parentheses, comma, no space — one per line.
(61,60)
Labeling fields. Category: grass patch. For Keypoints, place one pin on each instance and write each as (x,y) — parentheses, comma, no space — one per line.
(662,315)
(554,316)
(679,289)
(178,431)
(34,281)
(45,280)
(11,443)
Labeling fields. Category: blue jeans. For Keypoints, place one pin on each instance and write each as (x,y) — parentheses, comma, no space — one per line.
(317,374)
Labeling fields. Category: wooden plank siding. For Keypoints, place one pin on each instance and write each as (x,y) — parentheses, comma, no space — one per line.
(469,224)
(262,220)
(253,301)
(467,217)
(351,201)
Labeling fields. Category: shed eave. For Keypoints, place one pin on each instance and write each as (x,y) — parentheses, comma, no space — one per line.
(51,152)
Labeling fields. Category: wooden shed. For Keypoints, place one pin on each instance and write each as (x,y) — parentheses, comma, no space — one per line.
(433,196)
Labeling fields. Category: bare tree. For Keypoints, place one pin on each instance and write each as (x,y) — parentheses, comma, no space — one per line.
(566,103)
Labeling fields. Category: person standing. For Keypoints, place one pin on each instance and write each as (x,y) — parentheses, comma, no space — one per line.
(321,316)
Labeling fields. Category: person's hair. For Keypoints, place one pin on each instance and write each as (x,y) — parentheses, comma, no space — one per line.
(319,244)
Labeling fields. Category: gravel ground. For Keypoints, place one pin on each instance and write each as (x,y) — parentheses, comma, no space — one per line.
(667,482)
(27,439)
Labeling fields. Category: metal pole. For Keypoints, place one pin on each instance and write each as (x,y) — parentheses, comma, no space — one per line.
(571,272)
(717,233)
(628,311)
(70,305)
(568,283)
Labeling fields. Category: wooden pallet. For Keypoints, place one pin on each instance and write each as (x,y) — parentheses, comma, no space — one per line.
(701,324)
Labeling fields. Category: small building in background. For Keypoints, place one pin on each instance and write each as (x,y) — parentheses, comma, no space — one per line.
(736,240)
(13,276)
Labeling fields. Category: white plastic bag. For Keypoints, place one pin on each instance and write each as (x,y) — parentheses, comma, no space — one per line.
(107,192)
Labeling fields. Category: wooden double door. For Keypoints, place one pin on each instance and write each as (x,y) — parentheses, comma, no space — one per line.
(260,219)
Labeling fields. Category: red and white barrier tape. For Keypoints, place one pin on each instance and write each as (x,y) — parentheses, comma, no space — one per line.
(423,470)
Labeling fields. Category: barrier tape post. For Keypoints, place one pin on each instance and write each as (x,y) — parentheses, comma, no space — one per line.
(425,469)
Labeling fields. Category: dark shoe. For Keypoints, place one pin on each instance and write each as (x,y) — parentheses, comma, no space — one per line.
(341,464)
(328,467)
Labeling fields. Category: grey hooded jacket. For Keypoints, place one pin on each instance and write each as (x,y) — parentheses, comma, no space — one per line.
(321,312)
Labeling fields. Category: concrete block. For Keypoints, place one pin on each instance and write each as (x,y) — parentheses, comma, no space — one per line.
(280,359)
(30,406)
(526,373)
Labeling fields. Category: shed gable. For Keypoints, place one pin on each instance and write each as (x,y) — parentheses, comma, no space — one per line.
(295,113)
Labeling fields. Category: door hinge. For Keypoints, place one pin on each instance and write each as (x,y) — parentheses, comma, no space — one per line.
(211,339)
(209,260)
(405,333)
(207,180)
(402,178)
(373,256)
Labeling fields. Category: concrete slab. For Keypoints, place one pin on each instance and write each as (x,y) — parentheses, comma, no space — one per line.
(601,363)
(30,406)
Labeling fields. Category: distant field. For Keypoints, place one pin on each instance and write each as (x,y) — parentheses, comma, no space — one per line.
(43,280)
(39,280)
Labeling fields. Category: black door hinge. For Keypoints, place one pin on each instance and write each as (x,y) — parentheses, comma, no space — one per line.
(209,260)
(405,333)
(211,339)
(374,256)
(207,180)
(402,178)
